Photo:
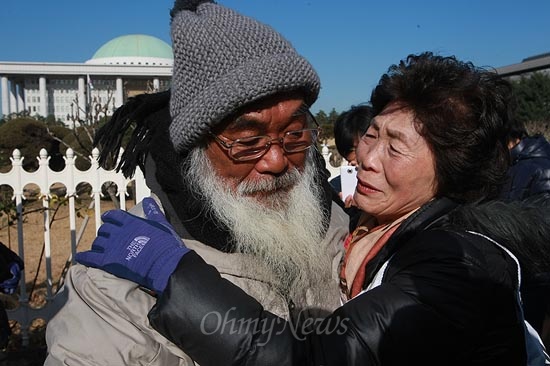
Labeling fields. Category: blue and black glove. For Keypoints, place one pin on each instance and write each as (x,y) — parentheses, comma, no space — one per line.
(143,250)
(10,285)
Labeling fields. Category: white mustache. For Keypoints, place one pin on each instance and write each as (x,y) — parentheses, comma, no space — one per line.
(283,182)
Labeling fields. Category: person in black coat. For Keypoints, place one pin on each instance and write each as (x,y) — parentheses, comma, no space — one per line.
(529,172)
(431,273)
(528,179)
(10,273)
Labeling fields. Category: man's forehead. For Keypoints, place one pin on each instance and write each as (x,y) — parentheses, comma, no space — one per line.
(272,100)
(298,108)
(252,114)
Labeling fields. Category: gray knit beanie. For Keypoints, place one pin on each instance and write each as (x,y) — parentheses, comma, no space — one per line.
(223,61)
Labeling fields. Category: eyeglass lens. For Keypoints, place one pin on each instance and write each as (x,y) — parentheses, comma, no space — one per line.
(254,147)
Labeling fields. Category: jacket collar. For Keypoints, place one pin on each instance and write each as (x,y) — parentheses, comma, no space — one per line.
(431,214)
(531,147)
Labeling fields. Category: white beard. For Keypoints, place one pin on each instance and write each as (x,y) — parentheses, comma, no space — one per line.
(285,229)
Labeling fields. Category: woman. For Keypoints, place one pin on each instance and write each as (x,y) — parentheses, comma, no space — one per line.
(426,278)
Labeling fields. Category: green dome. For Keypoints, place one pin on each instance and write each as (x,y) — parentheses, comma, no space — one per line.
(134,49)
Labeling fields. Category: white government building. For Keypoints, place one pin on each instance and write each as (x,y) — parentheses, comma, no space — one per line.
(123,67)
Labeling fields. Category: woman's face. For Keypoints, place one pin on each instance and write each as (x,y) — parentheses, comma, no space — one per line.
(396,168)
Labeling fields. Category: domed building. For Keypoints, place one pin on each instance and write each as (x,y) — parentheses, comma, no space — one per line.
(121,68)
(133,49)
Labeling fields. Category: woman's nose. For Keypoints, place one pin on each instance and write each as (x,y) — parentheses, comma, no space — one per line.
(367,155)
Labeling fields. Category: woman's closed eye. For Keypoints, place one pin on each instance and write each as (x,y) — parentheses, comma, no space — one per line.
(368,136)
(394,150)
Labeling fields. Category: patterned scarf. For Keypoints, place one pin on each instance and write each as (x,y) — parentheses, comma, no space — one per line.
(360,247)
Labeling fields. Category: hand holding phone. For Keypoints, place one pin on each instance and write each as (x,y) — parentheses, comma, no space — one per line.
(348,180)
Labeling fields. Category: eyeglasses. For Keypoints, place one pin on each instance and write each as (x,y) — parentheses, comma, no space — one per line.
(254,147)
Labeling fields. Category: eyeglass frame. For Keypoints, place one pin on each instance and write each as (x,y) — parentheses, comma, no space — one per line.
(271,141)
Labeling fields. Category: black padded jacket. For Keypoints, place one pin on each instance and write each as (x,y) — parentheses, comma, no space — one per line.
(529,172)
(447,297)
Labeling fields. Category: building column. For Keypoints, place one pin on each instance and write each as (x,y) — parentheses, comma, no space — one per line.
(43,92)
(81,96)
(21,97)
(5,97)
(119,95)
(13,96)
(156,85)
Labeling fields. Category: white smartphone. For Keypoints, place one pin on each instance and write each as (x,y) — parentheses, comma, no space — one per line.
(348,180)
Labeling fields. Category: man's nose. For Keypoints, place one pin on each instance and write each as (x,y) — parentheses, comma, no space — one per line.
(274,161)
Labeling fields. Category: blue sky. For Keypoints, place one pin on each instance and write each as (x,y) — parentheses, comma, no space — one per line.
(350,43)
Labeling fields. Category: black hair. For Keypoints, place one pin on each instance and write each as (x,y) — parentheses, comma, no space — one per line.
(145,118)
(521,226)
(463,112)
(349,126)
(516,130)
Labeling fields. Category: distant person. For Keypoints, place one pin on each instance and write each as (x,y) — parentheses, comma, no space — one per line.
(10,274)
(528,179)
(529,173)
(348,129)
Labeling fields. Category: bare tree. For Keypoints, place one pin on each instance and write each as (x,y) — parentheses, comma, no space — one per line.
(84,120)
(89,117)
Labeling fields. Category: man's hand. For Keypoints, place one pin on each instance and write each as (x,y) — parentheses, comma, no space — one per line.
(145,251)
(10,285)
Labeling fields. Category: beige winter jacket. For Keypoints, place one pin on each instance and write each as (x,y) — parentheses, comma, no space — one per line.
(104,320)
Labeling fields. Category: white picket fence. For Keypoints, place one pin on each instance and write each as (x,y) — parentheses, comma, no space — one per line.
(18,178)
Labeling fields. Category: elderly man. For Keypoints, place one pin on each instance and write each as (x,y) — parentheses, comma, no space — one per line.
(236,171)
